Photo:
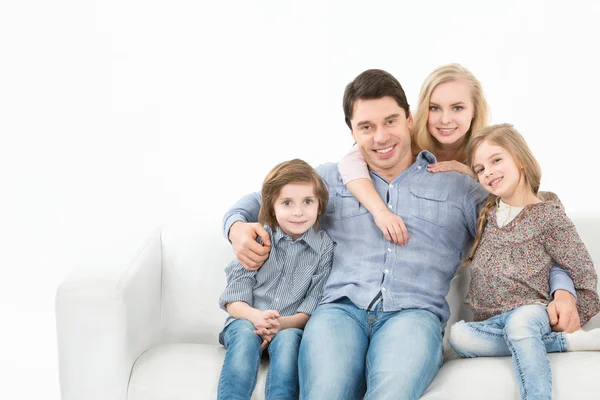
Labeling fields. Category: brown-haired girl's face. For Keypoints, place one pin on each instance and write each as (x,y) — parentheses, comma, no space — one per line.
(296,208)
(451,112)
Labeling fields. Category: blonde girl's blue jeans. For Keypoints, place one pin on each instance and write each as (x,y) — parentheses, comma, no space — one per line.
(523,333)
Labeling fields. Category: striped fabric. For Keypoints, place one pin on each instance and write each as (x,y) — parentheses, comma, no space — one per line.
(290,281)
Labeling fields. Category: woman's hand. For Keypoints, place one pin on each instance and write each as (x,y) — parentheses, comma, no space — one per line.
(445,166)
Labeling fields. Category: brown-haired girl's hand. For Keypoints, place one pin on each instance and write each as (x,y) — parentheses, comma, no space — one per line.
(392,226)
(445,166)
(267,326)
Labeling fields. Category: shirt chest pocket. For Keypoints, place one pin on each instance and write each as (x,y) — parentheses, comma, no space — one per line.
(346,205)
(429,205)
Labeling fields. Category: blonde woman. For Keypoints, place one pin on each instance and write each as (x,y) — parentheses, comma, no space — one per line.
(451,106)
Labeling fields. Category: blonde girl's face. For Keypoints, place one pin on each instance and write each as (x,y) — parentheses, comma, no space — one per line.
(451,112)
(498,172)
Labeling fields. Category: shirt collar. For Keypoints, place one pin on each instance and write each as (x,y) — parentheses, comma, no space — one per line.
(310,237)
(425,157)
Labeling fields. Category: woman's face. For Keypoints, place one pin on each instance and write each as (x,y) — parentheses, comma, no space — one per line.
(450,112)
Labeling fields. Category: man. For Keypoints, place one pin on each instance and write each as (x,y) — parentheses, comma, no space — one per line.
(378,330)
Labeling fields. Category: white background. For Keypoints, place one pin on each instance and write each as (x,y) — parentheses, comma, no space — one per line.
(117,116)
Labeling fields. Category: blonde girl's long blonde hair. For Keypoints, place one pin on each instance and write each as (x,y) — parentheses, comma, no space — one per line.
(507,137)
(422,139)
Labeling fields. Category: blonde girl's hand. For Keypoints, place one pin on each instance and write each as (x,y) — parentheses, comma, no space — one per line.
(392,226)
(445,166)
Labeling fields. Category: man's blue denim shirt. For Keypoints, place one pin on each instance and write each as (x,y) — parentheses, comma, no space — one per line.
(440,212)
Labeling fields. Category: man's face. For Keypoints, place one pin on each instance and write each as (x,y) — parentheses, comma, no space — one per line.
(381,130)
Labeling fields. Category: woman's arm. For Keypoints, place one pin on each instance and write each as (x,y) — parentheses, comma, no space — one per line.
(355,176)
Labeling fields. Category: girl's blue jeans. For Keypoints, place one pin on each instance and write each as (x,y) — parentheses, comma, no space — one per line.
(238,375)
(523,333)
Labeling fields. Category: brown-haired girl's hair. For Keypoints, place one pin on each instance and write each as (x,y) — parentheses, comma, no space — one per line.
(507,137)
(422,139)
(292,171)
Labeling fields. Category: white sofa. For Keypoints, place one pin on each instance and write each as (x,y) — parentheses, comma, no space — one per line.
(148,330)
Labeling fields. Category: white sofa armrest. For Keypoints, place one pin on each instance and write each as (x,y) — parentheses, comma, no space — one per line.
(106,318)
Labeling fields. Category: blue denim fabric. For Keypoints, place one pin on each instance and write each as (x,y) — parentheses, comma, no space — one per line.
(238,375)
(525,333)
(347,352)
(440,214)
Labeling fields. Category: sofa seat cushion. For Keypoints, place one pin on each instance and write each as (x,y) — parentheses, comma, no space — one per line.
(182,371)
(574,376)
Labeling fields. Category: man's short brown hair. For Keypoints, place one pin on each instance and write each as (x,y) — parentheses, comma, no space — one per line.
(290,172)
(371,85)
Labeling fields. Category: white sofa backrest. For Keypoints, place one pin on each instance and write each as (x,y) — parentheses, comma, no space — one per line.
(194,256)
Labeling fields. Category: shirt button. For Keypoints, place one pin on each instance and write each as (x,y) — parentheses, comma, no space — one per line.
(389,206)
(419,167)
(389,249)
(391,186)
(383,289)
(385,271)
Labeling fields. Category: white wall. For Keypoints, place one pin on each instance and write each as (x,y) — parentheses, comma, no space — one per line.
(116,116)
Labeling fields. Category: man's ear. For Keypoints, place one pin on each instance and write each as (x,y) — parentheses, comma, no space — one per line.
(353,137)
(409,121)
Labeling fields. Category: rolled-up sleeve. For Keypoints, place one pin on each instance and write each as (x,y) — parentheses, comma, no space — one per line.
(240,283)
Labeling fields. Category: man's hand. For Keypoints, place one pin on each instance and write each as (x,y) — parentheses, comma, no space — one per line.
(392,226)
(247,250)
(562,312)
(444,166)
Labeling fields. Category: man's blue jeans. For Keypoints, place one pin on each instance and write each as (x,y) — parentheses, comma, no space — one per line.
(347,351)
(238,375)
(523,333)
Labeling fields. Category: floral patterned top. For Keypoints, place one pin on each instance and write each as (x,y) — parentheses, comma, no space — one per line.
(512,264)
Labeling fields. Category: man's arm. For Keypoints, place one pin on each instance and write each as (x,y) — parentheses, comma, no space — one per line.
(562,310)
(241,228)
(566,247)
(245,210)
(560,279)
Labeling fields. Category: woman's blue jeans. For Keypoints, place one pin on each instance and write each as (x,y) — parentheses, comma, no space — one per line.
(523,333)
(238,375)
(348,352)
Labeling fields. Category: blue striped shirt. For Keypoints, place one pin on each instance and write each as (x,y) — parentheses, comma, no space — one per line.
(290,281)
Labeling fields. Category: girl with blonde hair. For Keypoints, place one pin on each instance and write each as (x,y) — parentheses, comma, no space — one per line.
(451,107)
(521,233)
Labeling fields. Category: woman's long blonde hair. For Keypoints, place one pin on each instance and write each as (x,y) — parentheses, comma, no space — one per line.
(507,137)
(422,139)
